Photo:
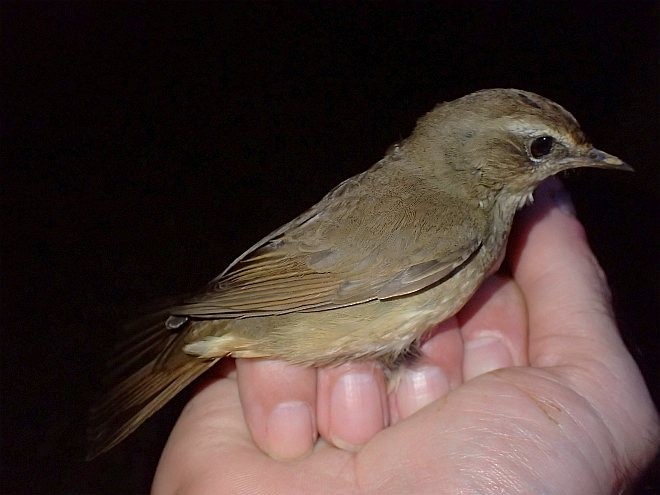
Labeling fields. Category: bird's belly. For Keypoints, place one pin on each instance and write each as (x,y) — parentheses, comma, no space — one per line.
(381,329)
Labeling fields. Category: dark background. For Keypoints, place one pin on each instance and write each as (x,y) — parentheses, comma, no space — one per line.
(146,145)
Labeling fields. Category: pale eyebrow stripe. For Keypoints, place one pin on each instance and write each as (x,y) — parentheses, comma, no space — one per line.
(520,127)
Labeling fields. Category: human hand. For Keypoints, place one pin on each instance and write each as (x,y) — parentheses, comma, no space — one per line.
(529,389)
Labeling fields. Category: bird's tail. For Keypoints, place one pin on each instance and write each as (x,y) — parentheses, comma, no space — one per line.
(147,370)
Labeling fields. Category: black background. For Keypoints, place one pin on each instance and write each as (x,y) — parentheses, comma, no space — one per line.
(146,145)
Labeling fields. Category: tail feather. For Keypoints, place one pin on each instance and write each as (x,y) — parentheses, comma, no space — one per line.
(137,401)
(148,370)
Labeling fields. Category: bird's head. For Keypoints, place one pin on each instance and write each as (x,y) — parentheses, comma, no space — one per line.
(504,142)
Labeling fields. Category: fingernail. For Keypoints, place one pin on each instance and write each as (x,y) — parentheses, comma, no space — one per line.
(485,354)
(563,201)
(356,410)
(558,195)
(291,430)
(419,387)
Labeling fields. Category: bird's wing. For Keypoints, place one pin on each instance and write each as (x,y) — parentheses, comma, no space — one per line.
(335,255)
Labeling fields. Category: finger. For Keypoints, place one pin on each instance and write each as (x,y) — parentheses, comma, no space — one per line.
(437,371)
(279,404)
(572,328)
(494,328)
(567,296)
(352,403)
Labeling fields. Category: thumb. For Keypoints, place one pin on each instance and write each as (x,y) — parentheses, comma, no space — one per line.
(568,299)
(571,325)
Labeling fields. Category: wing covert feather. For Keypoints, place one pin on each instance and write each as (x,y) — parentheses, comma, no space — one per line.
(334,255)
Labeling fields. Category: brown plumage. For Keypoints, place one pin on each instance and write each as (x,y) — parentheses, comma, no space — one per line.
(364,272)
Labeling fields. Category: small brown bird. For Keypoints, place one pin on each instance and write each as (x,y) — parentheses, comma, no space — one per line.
(367,270)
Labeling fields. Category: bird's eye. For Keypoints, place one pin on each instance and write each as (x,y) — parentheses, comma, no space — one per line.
(541,146)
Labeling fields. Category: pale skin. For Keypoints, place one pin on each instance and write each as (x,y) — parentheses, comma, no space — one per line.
(529,389)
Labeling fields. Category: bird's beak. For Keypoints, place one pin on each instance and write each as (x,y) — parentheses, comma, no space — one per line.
(597,159)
